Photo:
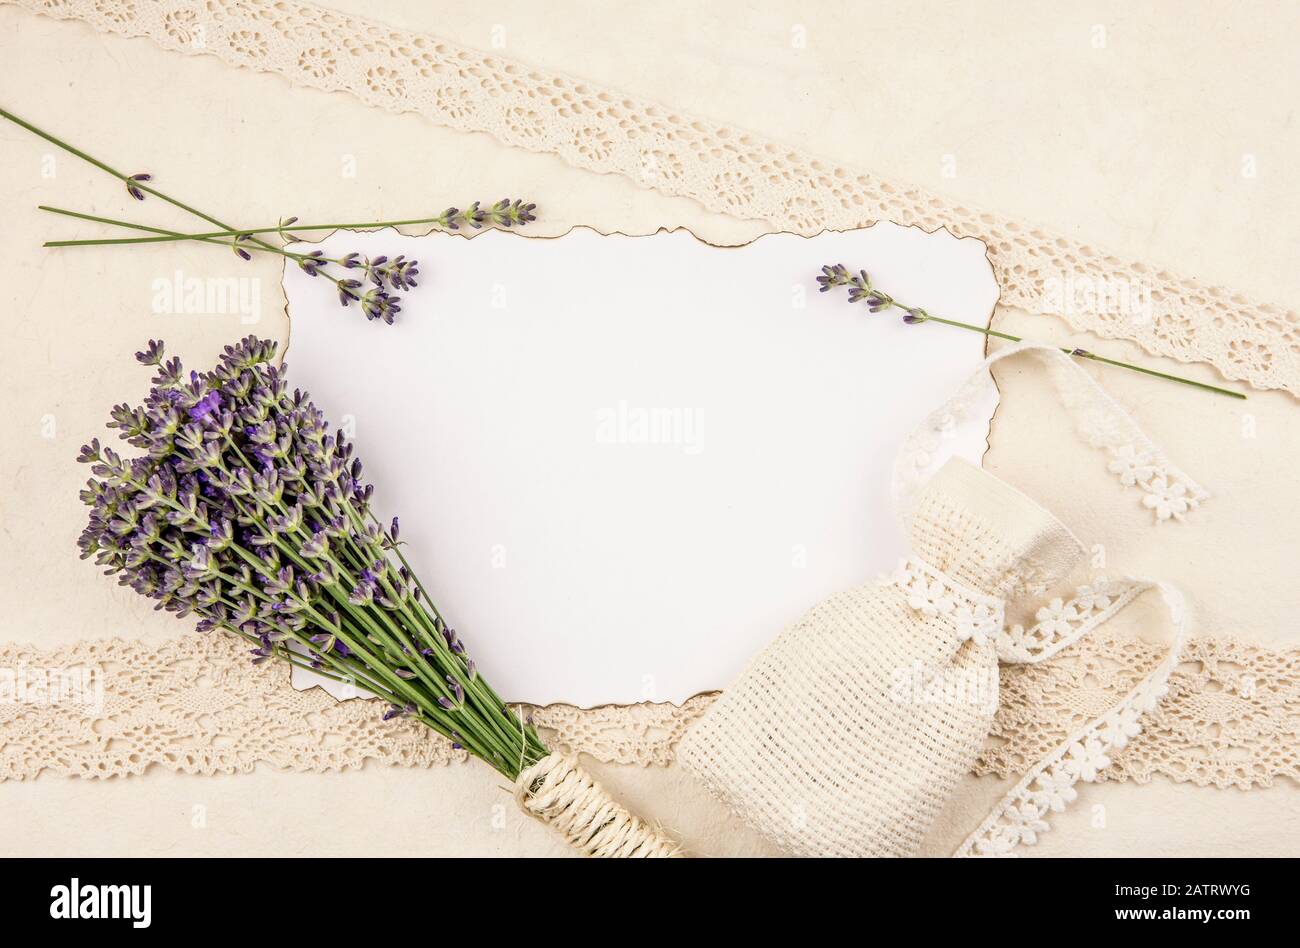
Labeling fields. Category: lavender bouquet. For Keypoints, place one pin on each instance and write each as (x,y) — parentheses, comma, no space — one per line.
(247,512)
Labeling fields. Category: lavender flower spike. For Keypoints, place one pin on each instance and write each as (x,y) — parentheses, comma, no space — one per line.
(877,301)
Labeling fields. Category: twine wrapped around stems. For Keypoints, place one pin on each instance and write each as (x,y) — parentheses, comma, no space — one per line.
(560,793)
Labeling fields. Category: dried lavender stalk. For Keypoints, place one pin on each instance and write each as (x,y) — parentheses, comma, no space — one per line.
(504,213)
(876,300)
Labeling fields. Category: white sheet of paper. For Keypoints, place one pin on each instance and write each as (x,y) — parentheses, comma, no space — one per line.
(623,464)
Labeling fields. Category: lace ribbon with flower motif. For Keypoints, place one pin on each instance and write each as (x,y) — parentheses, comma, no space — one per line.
(1048,786)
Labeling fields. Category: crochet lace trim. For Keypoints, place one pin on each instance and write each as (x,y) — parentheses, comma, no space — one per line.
(723,168)
(195,705)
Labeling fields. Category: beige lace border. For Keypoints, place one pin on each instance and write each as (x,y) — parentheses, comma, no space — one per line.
(725,169)
(196,705)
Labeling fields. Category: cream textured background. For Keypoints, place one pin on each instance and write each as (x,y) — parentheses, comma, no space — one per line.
(1137,146)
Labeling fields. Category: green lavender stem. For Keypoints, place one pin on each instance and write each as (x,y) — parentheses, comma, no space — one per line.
(162,232)
(861,290)
(233,243)
(1085,354)
(109,169)
(450,219)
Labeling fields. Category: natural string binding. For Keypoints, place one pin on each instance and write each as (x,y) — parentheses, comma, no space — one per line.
(560,793)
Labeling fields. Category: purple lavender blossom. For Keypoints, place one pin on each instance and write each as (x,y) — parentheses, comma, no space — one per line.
(311,263)
(387,278)
(205,406)
(400,711)
(860,288)
(131,183)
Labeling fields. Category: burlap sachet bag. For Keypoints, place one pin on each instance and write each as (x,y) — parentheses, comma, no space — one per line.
(847,734)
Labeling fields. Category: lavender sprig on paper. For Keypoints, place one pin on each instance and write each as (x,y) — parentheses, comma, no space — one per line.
(374,289)
(382,280)
(861,290)
(247,512)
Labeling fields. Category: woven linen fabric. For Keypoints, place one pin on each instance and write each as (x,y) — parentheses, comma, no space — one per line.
(822,744)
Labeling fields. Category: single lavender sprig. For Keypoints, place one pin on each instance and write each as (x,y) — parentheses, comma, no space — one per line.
(135,183)
(504,213)
(377,302)
(245,511)
(861,291)
(388,276)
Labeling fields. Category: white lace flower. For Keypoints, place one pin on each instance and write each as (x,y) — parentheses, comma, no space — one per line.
(1132,466)
(1054,789)
(902,576)
(1057,618)
(998,841)
(1016,644)
(1097,596)
(1085,759)
(930,599)
(1027,819)
(1119,727)
(943,423)
(1149,693)
(979,622)
(1167,499)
